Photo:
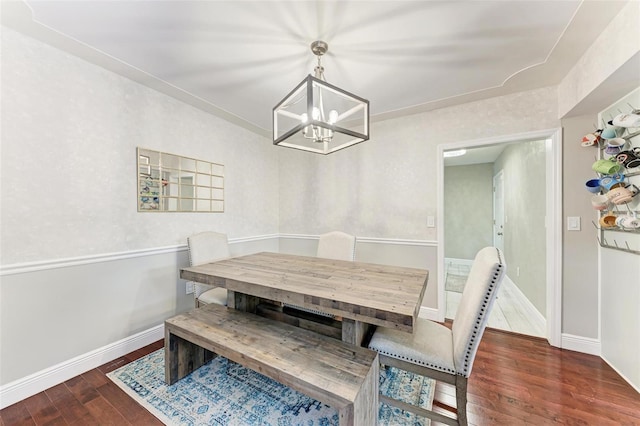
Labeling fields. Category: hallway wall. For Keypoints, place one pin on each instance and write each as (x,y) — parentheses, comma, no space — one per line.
(580,248)
(524,209)
(468,206)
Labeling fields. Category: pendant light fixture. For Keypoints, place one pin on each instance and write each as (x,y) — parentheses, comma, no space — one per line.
(319,117)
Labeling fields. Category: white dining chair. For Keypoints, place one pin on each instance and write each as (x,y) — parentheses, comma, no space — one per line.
(206,247)
(442,353)
(337,245)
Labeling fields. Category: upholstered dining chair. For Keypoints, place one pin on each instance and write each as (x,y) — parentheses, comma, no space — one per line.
(337,245)
(442,353)
(206,247)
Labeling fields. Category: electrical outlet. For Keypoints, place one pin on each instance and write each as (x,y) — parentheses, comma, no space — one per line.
(518,271)
(189,287)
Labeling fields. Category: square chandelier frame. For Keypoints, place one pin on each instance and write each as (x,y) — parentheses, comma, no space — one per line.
(352,126)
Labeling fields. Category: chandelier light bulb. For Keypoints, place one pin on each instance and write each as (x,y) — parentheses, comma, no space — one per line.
(333,116)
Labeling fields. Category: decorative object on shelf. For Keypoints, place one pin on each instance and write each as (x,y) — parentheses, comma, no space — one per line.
(629,159)
(628,221)
(615,146)
(627,120)
(600,202)
(612,181)
(606,166)
(611,133)
(319,117)
(593,185)
(592,139)
(608,220)
(622,194)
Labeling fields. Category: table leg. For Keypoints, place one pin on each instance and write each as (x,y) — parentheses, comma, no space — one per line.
(354,331)
(242,302)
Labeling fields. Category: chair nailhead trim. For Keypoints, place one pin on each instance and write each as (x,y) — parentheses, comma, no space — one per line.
(482,314)
(414,361)
(467,355)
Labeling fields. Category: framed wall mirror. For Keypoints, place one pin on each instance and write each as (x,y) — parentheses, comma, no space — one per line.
(172,183)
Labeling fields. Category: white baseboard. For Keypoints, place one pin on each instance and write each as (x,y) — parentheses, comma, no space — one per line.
(530,308)
(428,313)
(455,261)
(44,379)
(633,385)
(581,344)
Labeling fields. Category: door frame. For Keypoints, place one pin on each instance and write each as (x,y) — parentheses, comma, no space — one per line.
(553,220)
(499,175)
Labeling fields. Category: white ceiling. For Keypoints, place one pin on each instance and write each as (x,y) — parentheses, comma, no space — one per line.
(239,58)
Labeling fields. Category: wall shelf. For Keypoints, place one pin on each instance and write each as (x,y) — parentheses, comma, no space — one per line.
(604,237)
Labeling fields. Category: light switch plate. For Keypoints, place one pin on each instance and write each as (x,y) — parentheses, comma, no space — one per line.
(573,223)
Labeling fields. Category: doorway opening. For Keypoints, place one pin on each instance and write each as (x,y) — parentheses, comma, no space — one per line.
(533,232)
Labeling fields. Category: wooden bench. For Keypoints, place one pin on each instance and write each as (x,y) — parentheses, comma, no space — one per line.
(339,374)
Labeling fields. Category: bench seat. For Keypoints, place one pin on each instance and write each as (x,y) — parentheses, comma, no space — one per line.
(339,374)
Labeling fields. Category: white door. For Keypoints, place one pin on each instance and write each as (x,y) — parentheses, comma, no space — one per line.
(498,210)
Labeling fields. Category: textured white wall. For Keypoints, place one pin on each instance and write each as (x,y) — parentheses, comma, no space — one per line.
(617,43)
(386,187)
(619,279)
(69,135)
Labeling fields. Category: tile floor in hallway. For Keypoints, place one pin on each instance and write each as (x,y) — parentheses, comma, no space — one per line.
(512,310)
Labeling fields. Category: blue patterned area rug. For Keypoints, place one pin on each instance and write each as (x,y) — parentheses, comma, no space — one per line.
(225,393)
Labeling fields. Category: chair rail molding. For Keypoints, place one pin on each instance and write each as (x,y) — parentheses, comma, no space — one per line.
(373,240)
(21,268)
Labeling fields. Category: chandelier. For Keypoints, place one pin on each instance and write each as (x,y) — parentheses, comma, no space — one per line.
(319,117)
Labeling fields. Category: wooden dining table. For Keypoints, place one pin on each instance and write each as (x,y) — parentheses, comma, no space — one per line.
(361,294)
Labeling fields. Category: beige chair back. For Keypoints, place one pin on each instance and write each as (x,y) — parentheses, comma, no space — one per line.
(478,297)
(337,245)
(206,247)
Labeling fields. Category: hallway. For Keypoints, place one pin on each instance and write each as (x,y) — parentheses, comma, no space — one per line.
(512,310)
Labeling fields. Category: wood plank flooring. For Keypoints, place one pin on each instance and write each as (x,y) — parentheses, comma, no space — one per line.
(89,399)
(516,380)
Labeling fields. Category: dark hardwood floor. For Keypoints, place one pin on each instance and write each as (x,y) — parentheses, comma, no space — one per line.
(516,380)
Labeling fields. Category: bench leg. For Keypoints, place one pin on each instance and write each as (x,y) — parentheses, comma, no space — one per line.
(364,410)
(182,357)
